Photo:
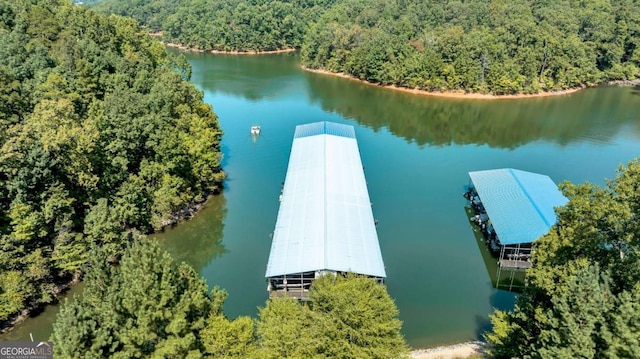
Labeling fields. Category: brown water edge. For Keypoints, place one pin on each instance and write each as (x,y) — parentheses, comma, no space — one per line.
(462,350)
(221,52)
(469,95)
(189,210)
(58,292)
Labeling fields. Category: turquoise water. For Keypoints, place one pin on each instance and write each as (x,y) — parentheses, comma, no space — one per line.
(417,151)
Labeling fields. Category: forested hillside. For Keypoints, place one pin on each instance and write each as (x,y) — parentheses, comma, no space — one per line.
(100,138)
(151,307)
(583,297)
(224,25)
(497,47)
(494,47)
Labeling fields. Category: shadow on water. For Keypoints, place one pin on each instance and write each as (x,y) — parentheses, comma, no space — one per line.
(40,326)
(198,240)
(195,242)
(595,114)
(483,323)
(498,299)
(503,279)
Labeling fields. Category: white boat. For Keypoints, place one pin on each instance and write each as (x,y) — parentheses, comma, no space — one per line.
(255,130)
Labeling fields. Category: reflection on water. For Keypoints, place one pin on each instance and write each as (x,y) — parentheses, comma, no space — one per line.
(593,115)
(198,240)
(511,280)
(418,151)
(251,77)
(40,327)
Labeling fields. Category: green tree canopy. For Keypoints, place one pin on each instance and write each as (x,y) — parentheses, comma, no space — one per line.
(346,317)
(584,287)
(497,47)
(228,25)
(101,136)
(148,306)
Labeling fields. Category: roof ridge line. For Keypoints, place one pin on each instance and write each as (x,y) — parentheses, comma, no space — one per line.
(533,203)
(324,160)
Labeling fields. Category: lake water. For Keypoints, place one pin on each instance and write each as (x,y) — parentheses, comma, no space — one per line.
(417,151)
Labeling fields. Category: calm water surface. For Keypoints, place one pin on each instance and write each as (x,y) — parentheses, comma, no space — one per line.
(417,151)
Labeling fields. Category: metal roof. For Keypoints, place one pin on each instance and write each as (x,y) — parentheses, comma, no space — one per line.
(324,128)
(519,204)
(325,220)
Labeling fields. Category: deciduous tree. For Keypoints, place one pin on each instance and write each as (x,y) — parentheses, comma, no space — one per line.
(584,284)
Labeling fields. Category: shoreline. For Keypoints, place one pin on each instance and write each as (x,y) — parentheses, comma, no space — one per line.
(25,313)
(184,214)
(222,52)
(187,212)
(218,52)
(454,351)
(467,95)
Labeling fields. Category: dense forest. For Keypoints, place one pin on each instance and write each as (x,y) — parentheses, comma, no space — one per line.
(497,47)
(583,297)
(494,47)
(151,307)
(101,138)
(224,25)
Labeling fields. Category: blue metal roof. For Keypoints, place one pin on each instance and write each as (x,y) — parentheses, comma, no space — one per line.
(325,221)
(520,204)
(324,128)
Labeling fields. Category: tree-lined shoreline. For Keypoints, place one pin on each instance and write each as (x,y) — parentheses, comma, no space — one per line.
(448,94)
(102,140)
(224,25)
(222,52)
(491,48)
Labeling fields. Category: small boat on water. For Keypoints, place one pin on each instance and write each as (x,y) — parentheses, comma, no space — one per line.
(255,130)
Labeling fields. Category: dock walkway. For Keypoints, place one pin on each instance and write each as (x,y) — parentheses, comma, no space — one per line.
(506,263)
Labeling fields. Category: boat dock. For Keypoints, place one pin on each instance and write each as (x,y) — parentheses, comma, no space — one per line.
(513,208)
(325,223)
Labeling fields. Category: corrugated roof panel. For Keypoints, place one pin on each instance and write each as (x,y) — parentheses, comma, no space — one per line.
(538,190)
(325,221)
(519,204)
(322,128)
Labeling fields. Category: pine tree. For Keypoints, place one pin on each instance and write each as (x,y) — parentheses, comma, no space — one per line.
(146,307)
(360,320)
(578,318)
(288,329)
(622,332)
(347,317)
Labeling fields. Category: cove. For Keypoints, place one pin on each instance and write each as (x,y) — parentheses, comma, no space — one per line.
(416,150)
